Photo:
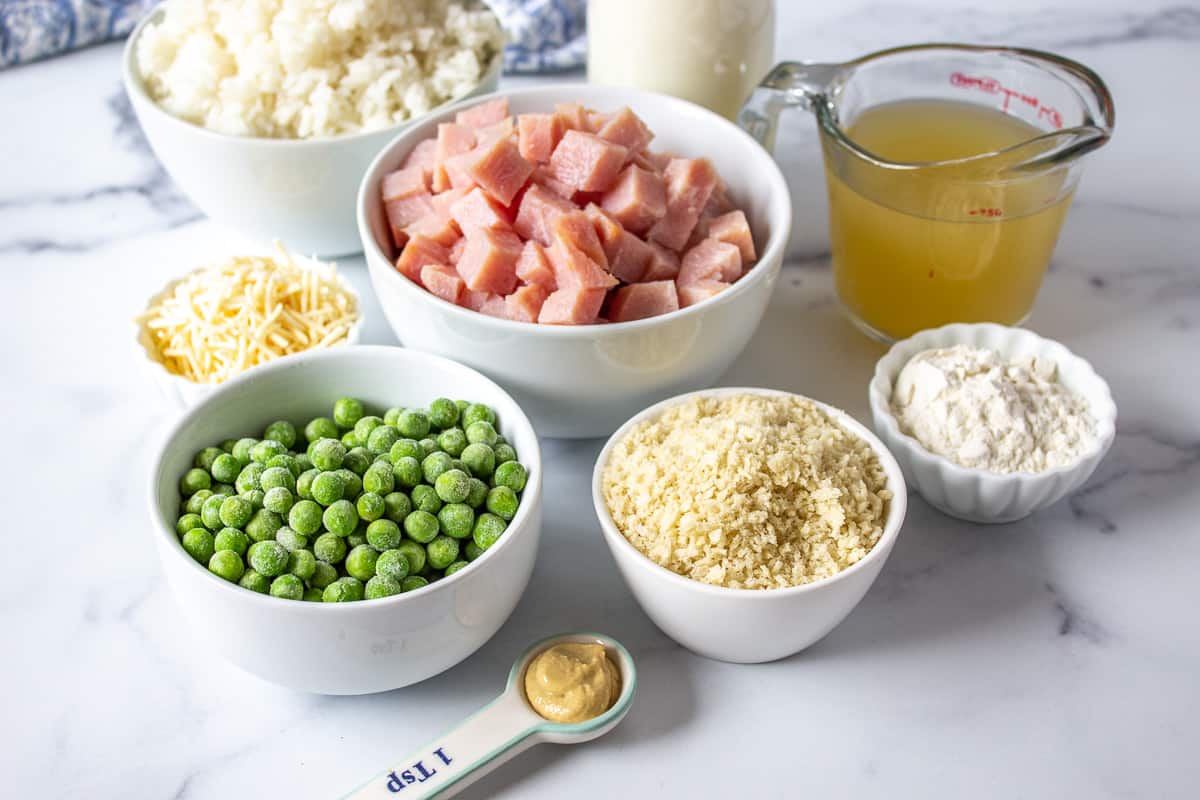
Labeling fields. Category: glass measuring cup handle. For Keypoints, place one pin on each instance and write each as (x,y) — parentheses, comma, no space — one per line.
(788,84)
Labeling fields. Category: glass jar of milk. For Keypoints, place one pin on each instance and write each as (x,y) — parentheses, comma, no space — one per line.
(712,52)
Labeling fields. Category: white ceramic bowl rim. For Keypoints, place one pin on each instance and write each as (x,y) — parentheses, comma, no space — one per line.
(766,168)
(897,506)
(133,83)
(889,366)
(532,462)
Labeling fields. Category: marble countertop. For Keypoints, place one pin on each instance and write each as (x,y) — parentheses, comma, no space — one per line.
(1057,657)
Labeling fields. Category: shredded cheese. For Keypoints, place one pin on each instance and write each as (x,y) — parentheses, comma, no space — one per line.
(227,317)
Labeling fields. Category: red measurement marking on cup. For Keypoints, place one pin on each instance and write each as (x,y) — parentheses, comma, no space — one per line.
(985,212)
(990,85)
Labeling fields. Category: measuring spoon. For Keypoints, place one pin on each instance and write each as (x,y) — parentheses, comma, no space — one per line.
(500,730)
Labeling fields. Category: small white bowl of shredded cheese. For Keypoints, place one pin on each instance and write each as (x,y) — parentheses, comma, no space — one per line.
(234,313)
(991,423)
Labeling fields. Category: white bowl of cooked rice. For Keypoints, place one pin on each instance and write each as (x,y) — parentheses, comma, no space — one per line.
(268,116)
(748,523)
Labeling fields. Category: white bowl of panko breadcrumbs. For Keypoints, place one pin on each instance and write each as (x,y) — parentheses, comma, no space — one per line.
(747,522)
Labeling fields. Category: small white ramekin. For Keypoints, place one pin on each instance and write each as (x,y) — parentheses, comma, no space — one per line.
(977,495)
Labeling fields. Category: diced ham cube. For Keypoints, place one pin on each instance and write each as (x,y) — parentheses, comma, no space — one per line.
(572,306)
(499,169)
(629,258)
(489,261)
(537,211)
(483,114)
(538,135)
(573,116)
(575,229)
(420,251)
(424,155)
(402,213)
(443,281)
(626,129)
(542,175)
(526,302)
(572,268)
(690,182)
(473,300)
(497,130)
(494,306)
(533,268)
(734,229)
(607,228)
(664,264)
(442,201)
(692,293)
(477,210)
(456,250)
(437,226)
(458,170)
(452,140)
(586,162)
(595,120)
(644,161)
(661,160)
(642,300)
(637,200)
(711,260)
(719,202)
(403,184)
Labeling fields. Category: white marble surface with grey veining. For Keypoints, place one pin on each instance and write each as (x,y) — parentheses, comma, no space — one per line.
(1058,657)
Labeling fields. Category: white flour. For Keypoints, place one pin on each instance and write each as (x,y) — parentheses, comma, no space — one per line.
(980,411)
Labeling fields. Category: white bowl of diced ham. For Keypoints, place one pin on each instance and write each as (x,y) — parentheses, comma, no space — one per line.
(595,249)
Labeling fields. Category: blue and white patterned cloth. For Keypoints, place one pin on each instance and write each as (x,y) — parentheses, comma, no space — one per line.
(546,35)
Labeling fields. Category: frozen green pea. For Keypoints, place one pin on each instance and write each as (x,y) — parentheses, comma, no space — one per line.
(320,428)
(360,563)
(452,441)
(313,595)
(458,464)
(481,432)
(352,482)
(193,481)
(502,501)
(323,574)
(413,423)
(236,511)
(343,590)
(396,506)
(228,444)
(504,453)
(434,465)
(205,458)
(488,528)
(281,431)
(391,415)
(303,462)
(327,488)
(198,543)
(302,564)
(241,450)
(357,460)
(278,499)
(456,520)
(452,486)
(347,411)
(471,550)
(341,518)
(379,479)
(370,506)
(291,539)
(383,534)
(273,477)
(406,472)
(287,587)
(392,564)
(477,493)
(227,564)
(249,478)
(480,459)
(265,450)
(462,406)
(210,512)
(188,522)
(255,582)
(421,526)
(254,497)
(442,552)
(268,557)
(379,586)
(263,525)
(286,461)
(351,440)
(478,412)
(511,474)
(224,489)
(381,439)
(328,454)
(443,413)
(428,445)
(226,468)
(455,567)
(412,583)
(305,517)
(231,539)
(366,426)
(196,501)
(355,539)
(406,448)
(424,498)
(415,555)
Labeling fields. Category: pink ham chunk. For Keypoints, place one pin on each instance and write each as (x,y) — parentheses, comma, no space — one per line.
(690,182)
(443,281)
(475,210)
(572,306)
(538,135)
(489,261)
(626,129)
(664,264)
(733,228)
(711,260)
(456,250)
(629,258)
(473,300)
(533,268)
(497,130)
(403,213)
(692,293)
(499,169)
(607,228)
(458,172)
(543,176)
(419,252)
(539,208)
(484,114)
(586,162)
(452,140)
(574,229)
(437,226)
(573,269)
(573,116)
(424,156)
(526,302)
(637,200)
(642,300)
(403,184)
(593,121)
(494,306)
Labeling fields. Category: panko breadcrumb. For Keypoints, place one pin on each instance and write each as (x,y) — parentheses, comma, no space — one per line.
(747,491)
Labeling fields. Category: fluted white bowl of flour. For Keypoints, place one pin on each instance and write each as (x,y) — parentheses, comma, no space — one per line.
(1004,492)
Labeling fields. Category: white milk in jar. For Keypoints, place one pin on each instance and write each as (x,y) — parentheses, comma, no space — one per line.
(712,52)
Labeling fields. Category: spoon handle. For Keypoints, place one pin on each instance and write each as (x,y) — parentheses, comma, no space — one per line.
(462,755)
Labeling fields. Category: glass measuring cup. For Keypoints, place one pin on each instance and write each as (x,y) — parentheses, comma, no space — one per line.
(966,238)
